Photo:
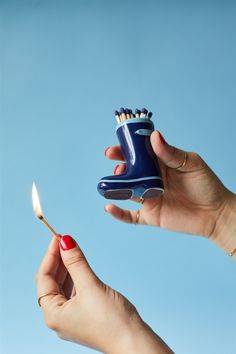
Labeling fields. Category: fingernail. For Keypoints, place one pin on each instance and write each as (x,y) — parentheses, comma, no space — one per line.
(105,152)
(67,243)
(162,138)
(115,169)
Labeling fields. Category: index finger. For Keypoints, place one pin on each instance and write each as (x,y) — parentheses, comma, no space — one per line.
(115,153)
(46,277)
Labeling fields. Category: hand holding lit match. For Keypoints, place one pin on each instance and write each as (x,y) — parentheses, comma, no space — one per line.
(80,308)
(96,315)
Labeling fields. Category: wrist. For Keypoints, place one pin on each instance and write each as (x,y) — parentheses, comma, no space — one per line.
(139,338)
(224,234)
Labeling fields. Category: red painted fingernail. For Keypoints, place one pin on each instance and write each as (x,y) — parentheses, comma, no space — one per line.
(115,169)
(105,152)
(67,243)
(162,138)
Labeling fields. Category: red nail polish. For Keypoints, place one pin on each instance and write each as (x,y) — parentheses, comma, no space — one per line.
(105,152)
(67,243)
(161,138)
(115,169)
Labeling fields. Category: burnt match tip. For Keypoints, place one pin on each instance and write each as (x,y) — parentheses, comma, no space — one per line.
(144,110)
(122,110)
(116,113)
(137,110)
(149,114)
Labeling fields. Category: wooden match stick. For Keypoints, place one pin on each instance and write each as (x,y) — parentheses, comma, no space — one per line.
(49,226)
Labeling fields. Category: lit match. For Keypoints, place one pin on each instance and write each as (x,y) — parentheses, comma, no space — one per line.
(38,210)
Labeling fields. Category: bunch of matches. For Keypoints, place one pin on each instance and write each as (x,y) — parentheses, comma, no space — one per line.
(127,113)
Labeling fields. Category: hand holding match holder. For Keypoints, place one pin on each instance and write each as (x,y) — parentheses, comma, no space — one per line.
(142,177)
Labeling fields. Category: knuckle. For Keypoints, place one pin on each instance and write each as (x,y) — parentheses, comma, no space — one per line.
(195,155)
(51,322)
(196,159)
(75,259)
(173,155)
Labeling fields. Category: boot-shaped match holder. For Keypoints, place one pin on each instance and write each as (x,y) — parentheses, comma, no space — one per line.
(142,177)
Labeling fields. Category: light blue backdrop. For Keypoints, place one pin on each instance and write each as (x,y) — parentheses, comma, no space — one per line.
(65,67)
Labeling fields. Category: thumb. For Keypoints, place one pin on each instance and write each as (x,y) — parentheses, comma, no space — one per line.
(76,263)
(171,156)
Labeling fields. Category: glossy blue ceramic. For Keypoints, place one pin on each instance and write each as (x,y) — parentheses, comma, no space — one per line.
(142,177)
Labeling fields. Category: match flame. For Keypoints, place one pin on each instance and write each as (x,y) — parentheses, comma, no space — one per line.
(36,202)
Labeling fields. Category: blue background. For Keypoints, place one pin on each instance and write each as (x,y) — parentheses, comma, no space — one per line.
(65,67)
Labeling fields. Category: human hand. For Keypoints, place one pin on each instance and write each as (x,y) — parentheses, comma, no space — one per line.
(82,309)
(194,197)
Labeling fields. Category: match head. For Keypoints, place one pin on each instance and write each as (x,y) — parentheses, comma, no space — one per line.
(116,113)
(149,114)
(122,110)
(127,110)
(137,111)
(144,110)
